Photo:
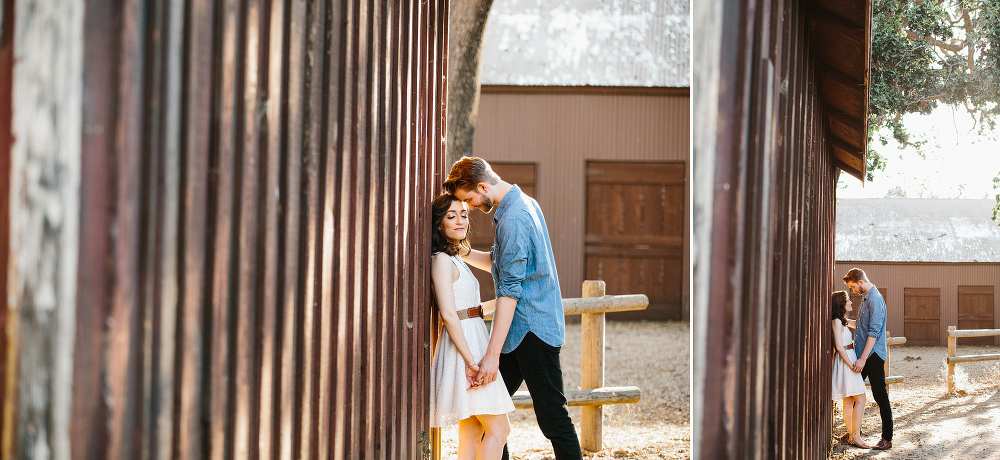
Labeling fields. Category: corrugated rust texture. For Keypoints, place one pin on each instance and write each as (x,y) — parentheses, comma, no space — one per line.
(892,278)
(6,86)
(255,236)
(561,128)
(765,386)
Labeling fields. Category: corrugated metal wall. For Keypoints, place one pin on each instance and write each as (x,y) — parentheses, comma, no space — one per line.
(560,129)
(764,386)
(254,235)
(6,139)
(892,278)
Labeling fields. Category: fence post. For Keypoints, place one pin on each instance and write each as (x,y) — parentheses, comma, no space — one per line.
(951,354)
(592,369)
(885,365)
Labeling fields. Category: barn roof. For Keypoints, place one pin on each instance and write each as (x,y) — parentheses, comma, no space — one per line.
(844,29)
(916,230)
(588,42)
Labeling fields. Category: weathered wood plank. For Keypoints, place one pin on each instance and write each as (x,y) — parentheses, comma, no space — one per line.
(895,340)
(607,303)
(973,332)
(596,396)
(889,380)
(972,358)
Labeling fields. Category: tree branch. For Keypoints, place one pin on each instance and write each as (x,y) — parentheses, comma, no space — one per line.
(928,99)
(968,29)
(953,47)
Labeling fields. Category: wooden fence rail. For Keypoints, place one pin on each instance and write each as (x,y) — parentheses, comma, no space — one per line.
(592,395)
(952,360)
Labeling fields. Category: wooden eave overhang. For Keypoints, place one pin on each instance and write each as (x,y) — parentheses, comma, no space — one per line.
(842,35)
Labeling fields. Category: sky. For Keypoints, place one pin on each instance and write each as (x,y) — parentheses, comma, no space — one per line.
(960,163)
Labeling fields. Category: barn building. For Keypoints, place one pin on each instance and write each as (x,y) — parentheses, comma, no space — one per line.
(585,105)
(936,262)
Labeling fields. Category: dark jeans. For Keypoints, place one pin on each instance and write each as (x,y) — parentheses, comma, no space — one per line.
(874,371)
(536,363)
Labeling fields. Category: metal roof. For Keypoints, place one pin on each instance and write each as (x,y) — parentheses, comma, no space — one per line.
(916,230)
(588,42)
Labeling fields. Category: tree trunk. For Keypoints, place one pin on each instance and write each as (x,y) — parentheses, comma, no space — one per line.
(466,24)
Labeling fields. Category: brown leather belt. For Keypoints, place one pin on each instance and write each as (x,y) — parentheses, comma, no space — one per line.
(474,312)
(849,346)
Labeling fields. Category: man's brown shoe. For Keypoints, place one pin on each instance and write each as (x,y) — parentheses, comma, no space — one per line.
(882,445)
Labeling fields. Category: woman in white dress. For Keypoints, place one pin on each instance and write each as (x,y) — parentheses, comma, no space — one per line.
(847,384)
(481,411)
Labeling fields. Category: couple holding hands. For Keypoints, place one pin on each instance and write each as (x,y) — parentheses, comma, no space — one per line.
(860,355)
(474,370)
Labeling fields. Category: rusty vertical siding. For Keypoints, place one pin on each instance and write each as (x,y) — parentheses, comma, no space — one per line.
(892,278)
(254,235)
(6,99)
(762,277)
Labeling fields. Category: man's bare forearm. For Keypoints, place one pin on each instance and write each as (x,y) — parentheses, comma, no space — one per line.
(502,318)
(478,259)
(869,345)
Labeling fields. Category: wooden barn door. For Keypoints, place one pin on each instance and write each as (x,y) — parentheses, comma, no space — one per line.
(975,311)
(522,174)
(922,316)
(635,233)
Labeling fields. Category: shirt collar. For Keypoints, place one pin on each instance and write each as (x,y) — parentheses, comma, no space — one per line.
(513,195)
(869,291)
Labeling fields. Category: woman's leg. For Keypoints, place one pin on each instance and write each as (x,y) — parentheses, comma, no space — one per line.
(470,434)
(859,416)
(848,415)
(497,429)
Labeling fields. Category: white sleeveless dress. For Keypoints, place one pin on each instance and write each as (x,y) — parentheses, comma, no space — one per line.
(845,381)
(450,401)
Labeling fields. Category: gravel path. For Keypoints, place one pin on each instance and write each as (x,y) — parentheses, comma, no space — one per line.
(928,423)
(651,355)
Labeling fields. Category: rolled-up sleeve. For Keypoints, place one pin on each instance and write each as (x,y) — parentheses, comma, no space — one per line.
(876,316)
(512,246)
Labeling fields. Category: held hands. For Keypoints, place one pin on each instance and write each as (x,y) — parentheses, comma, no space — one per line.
(470,374)
(488,367)
(859,365)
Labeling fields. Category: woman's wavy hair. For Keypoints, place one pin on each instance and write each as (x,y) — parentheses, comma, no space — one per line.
(439,243)
(838,306)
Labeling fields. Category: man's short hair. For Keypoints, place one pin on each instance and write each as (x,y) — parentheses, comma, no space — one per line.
(856,275)
(468,172)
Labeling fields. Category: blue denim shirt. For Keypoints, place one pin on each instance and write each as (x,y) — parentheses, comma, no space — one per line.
(524,269)
(871,323)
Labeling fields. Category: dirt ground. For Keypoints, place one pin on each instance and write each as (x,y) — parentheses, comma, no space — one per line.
(927,422)
(652,356)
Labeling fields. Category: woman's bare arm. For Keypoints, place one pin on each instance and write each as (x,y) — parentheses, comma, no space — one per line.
(838,328)
(442,278)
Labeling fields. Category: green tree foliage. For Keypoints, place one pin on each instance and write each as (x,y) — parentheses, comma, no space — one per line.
(929,52)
